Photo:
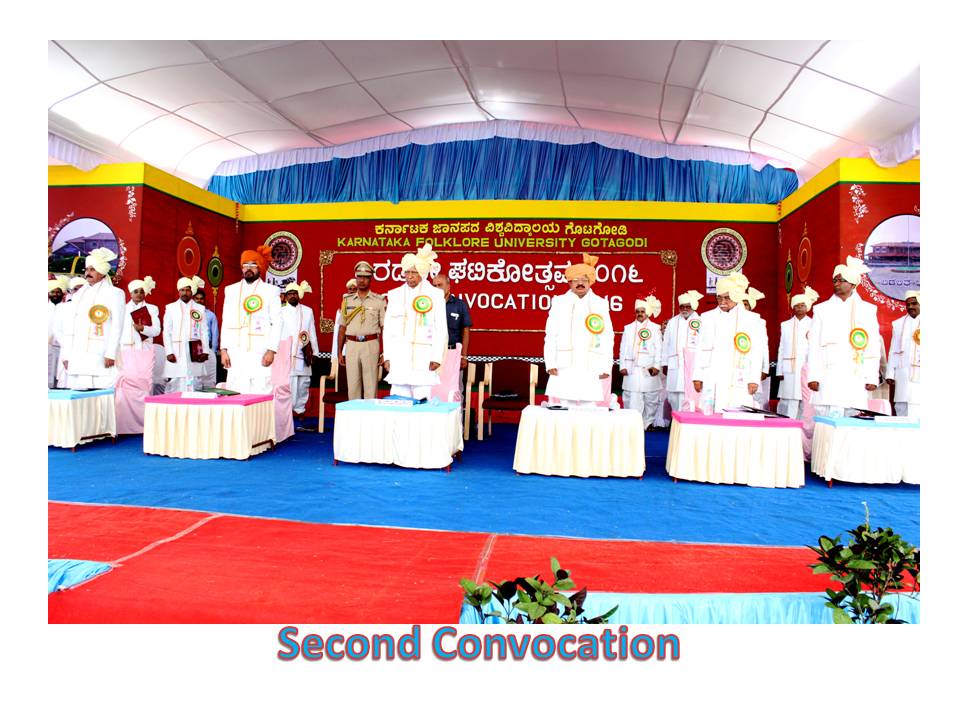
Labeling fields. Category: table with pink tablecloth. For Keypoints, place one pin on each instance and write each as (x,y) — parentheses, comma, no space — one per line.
(762,452)
(229,426)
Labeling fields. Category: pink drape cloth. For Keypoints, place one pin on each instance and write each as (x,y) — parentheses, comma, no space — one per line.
(808,412)
(283,398)
(879,405)
(448,390)
(134,382)
(690,396)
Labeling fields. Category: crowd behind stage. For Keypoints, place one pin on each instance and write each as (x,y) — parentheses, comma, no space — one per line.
(831,358)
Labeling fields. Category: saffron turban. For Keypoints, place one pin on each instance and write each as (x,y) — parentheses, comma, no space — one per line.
(587,267)
(261,256)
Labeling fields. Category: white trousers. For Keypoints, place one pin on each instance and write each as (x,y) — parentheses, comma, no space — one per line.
(209,377)
(676,401)
(907,409)
(255,385)
(790,408)
(643,401)
(418,392)
(300,392)
(53,361)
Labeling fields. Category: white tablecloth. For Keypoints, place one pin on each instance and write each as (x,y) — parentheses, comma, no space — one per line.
(207,431)
(864,451)
(762,453)
(584,443)
(76,418)
(421,436)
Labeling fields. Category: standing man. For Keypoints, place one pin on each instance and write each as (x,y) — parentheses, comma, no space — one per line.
(727,363)
(95,326)
(298,323)
(458,320)
(578,343)
(792,354)
(679,344)
(55,290)
(62,324)
(185,338)
(415,328)
(762,396)
(209,379)
(141,321)
(904,364)
(640,360)
(251,326)
(844,354)
(358,338)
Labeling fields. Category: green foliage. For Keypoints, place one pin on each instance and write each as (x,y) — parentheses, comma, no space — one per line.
(872,564)
(530,600)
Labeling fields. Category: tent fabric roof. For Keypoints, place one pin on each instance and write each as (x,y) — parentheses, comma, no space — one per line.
(188,106)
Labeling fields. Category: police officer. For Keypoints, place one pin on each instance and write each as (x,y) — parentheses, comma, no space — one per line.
(361,314)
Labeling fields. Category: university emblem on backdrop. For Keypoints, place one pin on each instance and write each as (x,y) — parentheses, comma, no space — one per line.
(286,252)
(723,251)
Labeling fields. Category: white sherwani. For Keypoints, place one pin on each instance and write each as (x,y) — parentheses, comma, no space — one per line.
(678,338)
(298,323)
(183,322)
(578,355)
(53,347)
(842,371)
(724,370)
(904,365)
(246,335)
(791,357)
(641,391)
(62,321)
(412,340)
(88,343)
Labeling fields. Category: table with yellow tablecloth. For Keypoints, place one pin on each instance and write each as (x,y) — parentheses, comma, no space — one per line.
(75,417)
(203,428)
(762,452)
(580,442)
(865,451)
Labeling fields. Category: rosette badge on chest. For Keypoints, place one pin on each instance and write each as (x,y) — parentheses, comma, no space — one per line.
(99,314)
(253,304)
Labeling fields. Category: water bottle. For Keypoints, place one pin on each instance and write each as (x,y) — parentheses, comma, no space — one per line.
(190,384)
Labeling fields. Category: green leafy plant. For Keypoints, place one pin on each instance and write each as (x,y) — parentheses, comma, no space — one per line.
(530,600)
(872,564)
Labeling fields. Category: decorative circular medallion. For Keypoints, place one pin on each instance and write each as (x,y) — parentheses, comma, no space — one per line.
(253,303)
(804,259)
(858,338)
(188,256)
(285,251)
(304,338)
(422,304)
(723,251)
(644,334)
(916,336)
(99,314)
(196,316)
(215,272)
(694,324)
(741,341)
(788,277)
(594,323)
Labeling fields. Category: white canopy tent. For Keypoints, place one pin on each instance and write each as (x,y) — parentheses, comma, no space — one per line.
(190,106)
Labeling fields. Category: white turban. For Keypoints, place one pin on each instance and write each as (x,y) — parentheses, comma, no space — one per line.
(351,283)
(302,288)
(192,283)
(422,262)
(752,296)
(99,259)
(650,304)
(691,298)
(913,294)
(808,297)
(147,285)
(852,270)
(60,283)
(734,284)
(76,282)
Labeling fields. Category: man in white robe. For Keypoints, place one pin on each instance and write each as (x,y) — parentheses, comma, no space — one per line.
(761,397)
(680,338)
(136,335)
(578,342)
(904,368)
(727,362)
(55,292)
(792,354)
(62,320)
(213,330)
(250,326)
(640,360)
(184,322)
(351,288)
(94,328)
(415,328)
(297,322)
(844,346)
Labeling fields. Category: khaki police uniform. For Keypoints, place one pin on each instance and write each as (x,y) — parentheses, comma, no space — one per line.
(362,320)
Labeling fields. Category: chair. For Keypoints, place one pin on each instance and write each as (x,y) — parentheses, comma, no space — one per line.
(282,397)
(526,394)
(329,395)
(134,383)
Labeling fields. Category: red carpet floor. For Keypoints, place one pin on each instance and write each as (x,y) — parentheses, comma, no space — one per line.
(174,566)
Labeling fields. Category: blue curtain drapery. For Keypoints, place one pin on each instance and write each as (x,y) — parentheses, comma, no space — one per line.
(501,168)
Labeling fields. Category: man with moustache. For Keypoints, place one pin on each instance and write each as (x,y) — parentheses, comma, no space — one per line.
(359,335)
(55,291)
(904,364)
(250,327)
(679,343)
(298,324)
(792,353)
(209,379)
(186,340)
(640,349)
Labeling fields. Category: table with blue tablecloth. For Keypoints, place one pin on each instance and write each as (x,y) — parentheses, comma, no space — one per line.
(427,435)
(75,417)
(855,450)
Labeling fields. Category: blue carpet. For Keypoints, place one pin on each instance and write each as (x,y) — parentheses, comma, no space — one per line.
(298,481)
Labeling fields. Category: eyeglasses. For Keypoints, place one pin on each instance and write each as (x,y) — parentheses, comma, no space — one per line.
(250,266)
